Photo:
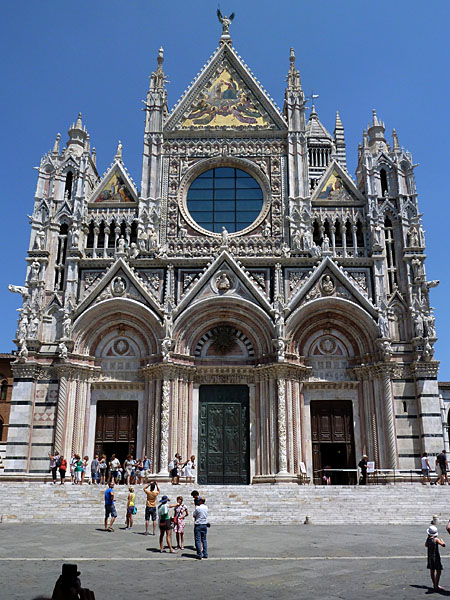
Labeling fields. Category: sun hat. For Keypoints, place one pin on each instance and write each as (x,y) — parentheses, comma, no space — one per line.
(164,499)
(432,530)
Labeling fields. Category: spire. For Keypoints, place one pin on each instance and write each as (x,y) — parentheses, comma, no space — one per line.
(77,137)
(395,143)
(118,155)
(225,38)
(56,144)
(87,146)
(293,78)
(94,156)
(339,141)
(158,78)
(376,131)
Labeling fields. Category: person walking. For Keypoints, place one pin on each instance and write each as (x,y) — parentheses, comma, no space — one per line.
(201,528)
(54,460)
(110,509)
(189,466)
(95,470)
(131,506)
(363,467)
(442,463)
(78,469)
(425,465)
(62,469)
(146,466)
(114,465)
(432,544)
(180,513)
(150,505)
(84,466)
(173,469)
(165,525)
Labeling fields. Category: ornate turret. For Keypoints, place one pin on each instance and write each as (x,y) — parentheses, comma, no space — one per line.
(377,141)
(77,137)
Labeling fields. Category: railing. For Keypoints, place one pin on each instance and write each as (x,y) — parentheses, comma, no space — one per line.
(377,477)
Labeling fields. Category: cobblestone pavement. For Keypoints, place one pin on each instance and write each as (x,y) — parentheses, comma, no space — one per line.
(250,562)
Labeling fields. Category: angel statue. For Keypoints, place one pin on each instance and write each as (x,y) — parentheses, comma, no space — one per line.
(226,22)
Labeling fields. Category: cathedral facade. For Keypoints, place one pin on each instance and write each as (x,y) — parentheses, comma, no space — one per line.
(251,303)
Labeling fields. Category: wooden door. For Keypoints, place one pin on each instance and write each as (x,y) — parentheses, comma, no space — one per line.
(116,427)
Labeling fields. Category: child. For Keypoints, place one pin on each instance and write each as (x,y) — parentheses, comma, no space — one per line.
(434,559)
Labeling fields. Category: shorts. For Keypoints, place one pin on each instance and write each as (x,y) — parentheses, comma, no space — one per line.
(165,525)
(130,510)
(425,472)
(110,511)
(174,472)
(150,511)
(114,474)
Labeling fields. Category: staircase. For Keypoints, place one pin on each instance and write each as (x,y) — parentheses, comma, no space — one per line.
(22,502)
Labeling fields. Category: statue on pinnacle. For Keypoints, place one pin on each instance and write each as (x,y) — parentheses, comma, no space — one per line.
(226,22)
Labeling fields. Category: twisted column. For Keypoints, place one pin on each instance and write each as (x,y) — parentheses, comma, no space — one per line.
(282,438)
(61,415)
(390,423)
(164,439)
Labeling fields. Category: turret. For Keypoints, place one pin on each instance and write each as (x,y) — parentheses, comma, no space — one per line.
(77,137)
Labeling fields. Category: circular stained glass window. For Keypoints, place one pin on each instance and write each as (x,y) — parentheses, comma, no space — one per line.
(224,197)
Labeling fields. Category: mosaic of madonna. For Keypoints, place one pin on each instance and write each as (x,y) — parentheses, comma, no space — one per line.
(334,189)
(115,190)
(225,103)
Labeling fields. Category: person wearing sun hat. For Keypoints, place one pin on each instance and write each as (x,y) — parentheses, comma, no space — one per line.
(432,544)
(164,524)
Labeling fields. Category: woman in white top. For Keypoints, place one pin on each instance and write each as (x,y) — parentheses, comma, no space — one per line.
(189,466)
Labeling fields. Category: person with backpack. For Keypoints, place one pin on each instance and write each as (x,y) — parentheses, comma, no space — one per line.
(165,524)
(54,464)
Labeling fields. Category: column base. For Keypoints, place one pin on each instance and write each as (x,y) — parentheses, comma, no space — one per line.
(283,478)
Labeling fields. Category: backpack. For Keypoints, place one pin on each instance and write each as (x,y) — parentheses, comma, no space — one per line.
(58,462)
(171,465)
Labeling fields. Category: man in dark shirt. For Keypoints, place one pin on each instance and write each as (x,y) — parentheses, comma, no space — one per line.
(441,461)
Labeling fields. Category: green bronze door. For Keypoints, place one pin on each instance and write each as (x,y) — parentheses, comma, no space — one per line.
(223,456)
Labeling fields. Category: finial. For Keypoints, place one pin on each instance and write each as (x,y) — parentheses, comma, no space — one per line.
(94,156)
(396,145)
(365,139)
(226,22)
(118,155)
(79,124)
(160,58)
(56,144)
(375,121)
(338,124)
(293,78)
(292,57)
(87,144)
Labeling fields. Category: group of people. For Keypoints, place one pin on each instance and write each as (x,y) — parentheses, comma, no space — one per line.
(177,467)
(441,469)
(161,512)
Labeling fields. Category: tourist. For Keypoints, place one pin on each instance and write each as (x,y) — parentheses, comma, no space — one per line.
(84,466)
(326,478)
(201,528)
(363,466)
(72,464)
(139,471)
(95,470)
(129,466)
(173,469)
(189,466)
(131,508)
(441,462)
(425,465)
(78,469)
(150,505)
(180,513)
(102,466)
(146,468)
(114,465)
(165,524)
(110,509)
(195,497)
(54,460)
(432,544)
(62,469)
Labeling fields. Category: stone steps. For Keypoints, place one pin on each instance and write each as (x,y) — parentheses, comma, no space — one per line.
(282,504)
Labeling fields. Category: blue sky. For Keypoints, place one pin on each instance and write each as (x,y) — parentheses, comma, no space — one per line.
(59,58)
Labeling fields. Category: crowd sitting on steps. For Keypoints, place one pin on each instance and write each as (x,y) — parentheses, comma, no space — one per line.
(101,471)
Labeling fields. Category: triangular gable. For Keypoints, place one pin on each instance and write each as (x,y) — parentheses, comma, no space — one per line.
(133,288)
(116,187)
(329,280)
(225,95)
(209,284)
(336,187)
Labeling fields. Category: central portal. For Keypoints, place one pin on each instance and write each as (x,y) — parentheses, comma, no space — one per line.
(223,456)
(115,431)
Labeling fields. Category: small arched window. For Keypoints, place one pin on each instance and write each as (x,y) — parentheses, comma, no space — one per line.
(338,233)
(69,183)
(383,181)
(359,234)
(316,233)
(3,390)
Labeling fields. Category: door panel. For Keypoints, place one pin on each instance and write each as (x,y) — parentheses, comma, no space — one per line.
(223,435)
(116,427)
